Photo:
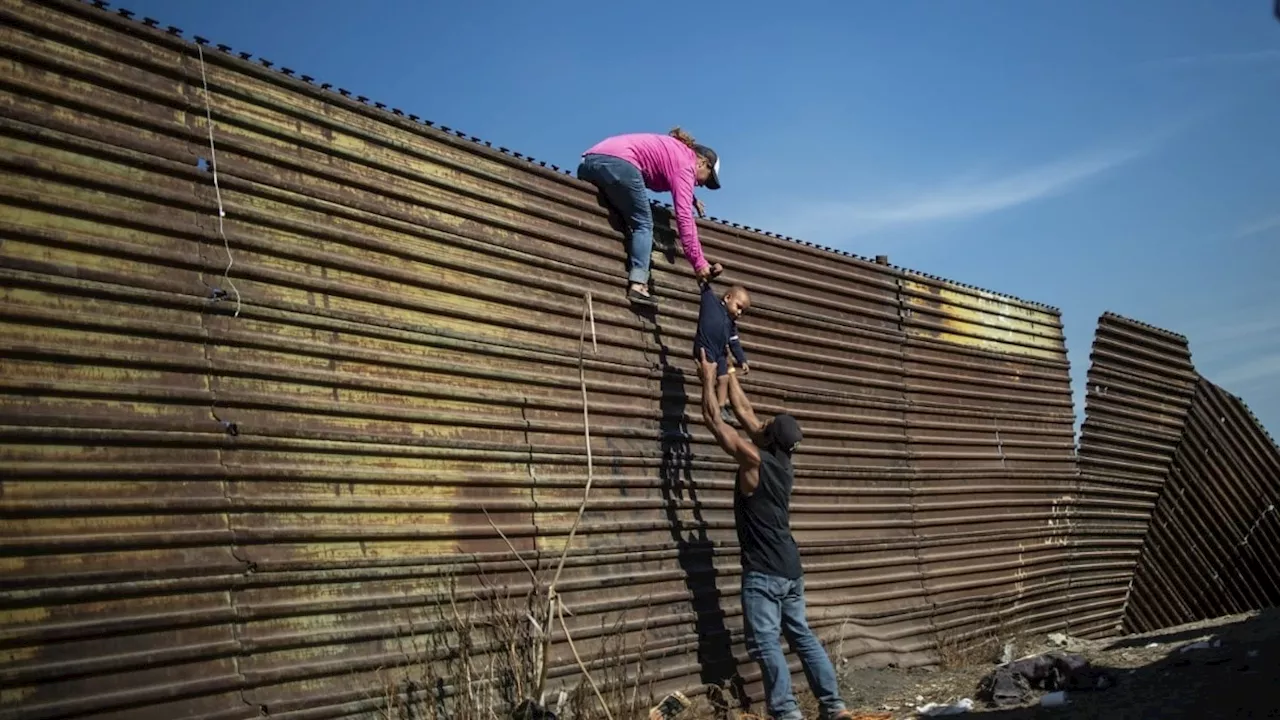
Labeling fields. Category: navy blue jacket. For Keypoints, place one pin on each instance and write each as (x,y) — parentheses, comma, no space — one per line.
(717,331)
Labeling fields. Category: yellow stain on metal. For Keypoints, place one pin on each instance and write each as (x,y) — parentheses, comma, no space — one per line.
(254,122)
(57,490)
(17,249)
(15,696)
(307,211)
(76,164)
(395,146)
(94,62)
(78,407)
(394,162)
(345,552)
(983,321)
(86,197)
(362,490)
(48,374)
(107,311)
(21,617)
(86,31)
(301,212)
(75,91)
(12,620)
(135,525)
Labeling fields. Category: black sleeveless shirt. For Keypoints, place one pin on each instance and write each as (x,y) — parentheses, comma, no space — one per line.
(764,520)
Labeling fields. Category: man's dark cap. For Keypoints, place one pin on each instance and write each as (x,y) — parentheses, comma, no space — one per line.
(783,433)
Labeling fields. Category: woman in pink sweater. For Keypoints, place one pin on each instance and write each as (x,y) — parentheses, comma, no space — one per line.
(624,166)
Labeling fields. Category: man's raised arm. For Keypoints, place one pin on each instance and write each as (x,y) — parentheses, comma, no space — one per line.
(742,407)
(739,447)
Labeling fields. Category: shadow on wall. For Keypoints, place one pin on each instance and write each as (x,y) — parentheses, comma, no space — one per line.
(1235,676)
(695,549)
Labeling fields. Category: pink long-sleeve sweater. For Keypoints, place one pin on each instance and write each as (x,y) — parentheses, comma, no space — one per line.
(667,165)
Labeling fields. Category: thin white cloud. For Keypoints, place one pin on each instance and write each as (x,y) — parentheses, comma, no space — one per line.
(1259,227)
(1238,347)
(1249,372)
(1213,60)
(970,195)
(1245,330)
(962,199)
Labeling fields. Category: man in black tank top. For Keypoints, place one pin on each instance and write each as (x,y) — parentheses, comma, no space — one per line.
(772,579)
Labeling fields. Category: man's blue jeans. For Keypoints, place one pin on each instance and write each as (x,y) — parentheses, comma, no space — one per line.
(623,186)
(773,605)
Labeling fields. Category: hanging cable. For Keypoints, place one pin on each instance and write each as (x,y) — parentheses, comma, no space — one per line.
(217,191)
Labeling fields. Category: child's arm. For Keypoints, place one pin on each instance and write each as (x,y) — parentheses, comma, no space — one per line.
(735,346)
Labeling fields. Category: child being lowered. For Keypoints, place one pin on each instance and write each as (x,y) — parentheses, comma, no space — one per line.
(718,335)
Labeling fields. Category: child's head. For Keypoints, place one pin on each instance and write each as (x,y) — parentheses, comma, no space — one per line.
(737,301)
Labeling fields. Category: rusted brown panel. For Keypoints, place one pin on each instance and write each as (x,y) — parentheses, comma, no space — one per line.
(989,424)
(1175,463)
(1214,533)
(334,435)
(1139,387)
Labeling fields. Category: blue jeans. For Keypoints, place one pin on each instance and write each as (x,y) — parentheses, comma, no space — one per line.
(623,186)
(771,605)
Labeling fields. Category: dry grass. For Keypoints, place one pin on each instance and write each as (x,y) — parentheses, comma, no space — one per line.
(964,649)
(983,640)
(477,655)
(470,658)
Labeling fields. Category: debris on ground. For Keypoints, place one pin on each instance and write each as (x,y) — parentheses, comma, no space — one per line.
(1054,699)
(1227,670)
(939,710)
(532,710)
(1072,644)
(1014,684)
(1202,645)
(671,707)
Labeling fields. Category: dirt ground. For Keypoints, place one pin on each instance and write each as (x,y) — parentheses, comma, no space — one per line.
(1221,669)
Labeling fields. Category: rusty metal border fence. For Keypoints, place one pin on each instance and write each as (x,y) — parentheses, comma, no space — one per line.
(252,421)
(1178,486)
(1212,545)
(1138,389)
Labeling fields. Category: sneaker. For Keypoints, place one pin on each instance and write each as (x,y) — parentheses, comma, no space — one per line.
(640,298)
(726,414)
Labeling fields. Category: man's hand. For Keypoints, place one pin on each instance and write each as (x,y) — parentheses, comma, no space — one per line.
(745,368)
(699,208)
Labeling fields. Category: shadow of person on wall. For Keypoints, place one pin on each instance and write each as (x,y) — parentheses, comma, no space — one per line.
(695,549)
(665,238)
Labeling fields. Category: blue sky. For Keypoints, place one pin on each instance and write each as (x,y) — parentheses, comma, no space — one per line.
(1093,155)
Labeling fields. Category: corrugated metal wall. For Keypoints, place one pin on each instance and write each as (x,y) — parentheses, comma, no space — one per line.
(217,515)
(1180,478)
(1215,537)
(1138,389)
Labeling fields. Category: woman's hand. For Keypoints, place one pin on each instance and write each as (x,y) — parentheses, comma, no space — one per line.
(710,271)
